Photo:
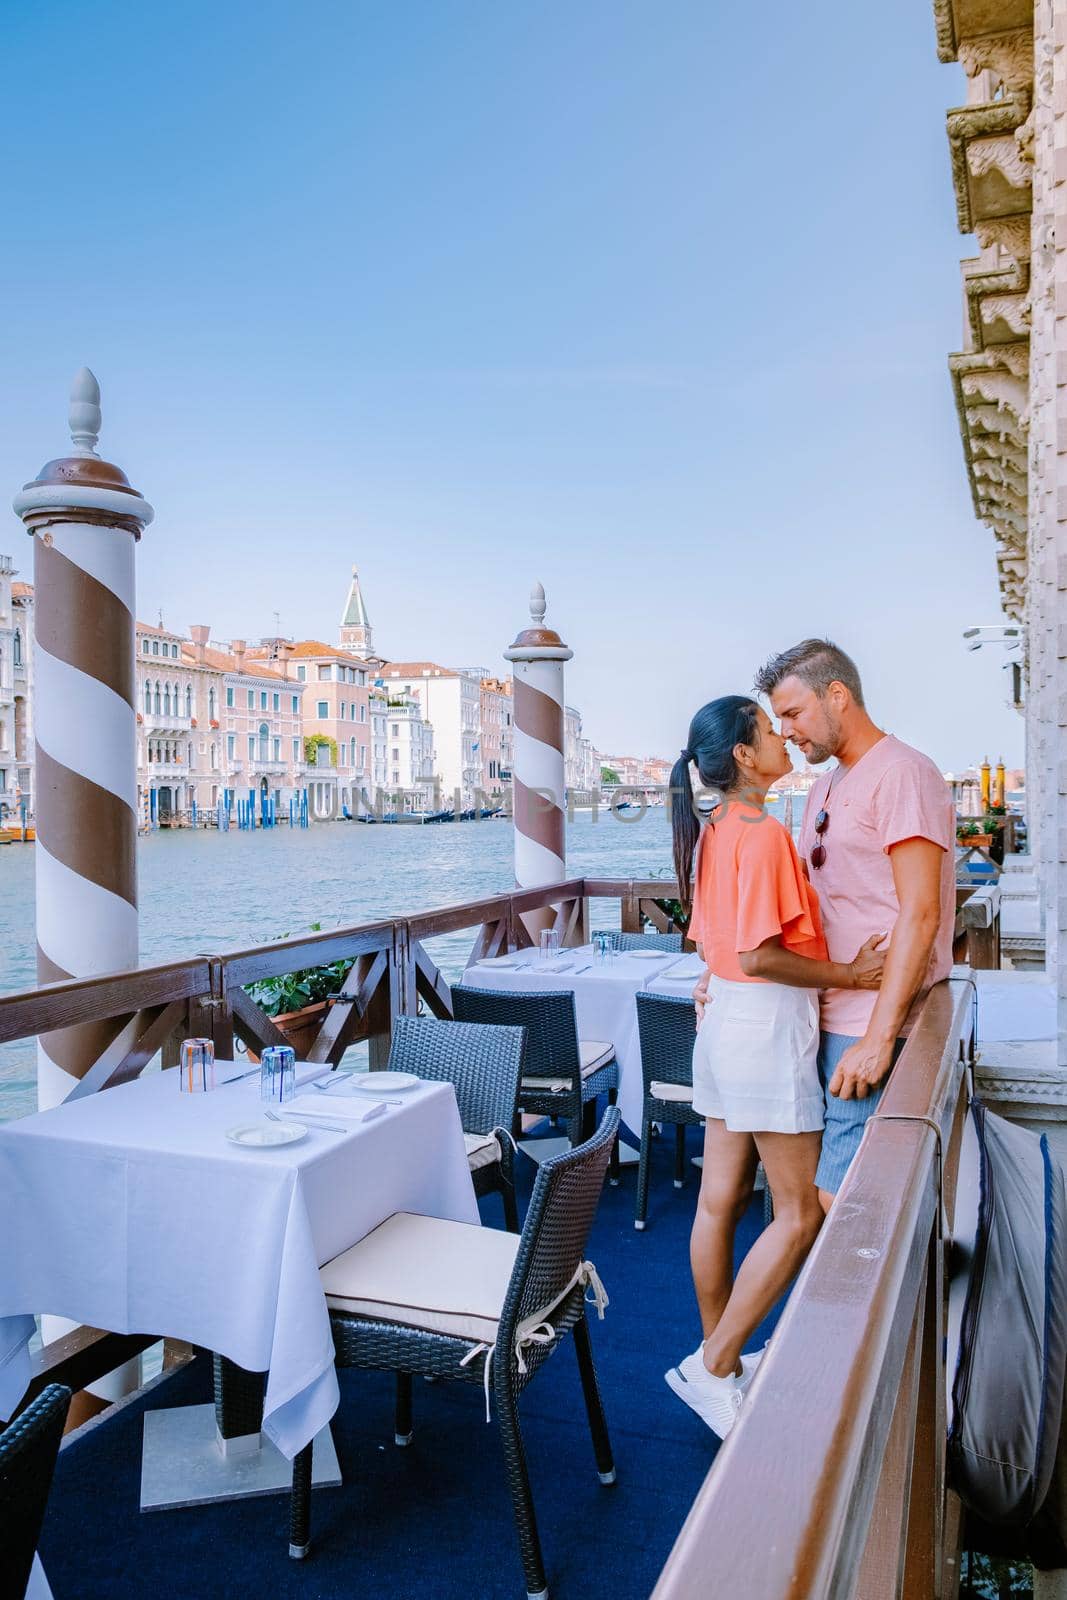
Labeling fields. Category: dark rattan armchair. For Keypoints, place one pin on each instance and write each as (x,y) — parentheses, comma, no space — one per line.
(562,1075)
(28,1450)
(484,1066)
(646,941)
(666,1025)
(420,1296)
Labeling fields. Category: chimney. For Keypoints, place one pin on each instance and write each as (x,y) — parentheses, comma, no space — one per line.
(200,635)
(285,652)
(237,648)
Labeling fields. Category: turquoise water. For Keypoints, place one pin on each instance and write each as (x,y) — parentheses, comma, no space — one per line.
(209,891)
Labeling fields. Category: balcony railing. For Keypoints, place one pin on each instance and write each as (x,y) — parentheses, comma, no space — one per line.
(165,722)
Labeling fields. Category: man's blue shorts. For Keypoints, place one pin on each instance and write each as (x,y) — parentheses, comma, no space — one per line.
(845,1119)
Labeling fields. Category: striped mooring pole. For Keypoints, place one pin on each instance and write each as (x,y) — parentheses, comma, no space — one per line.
(538,773)
(85,521)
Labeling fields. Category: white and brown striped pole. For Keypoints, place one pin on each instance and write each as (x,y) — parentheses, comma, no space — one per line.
(537,776)
(85,521)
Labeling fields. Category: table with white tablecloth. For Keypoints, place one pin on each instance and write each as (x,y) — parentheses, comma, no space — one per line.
(604,998)
(130,1210)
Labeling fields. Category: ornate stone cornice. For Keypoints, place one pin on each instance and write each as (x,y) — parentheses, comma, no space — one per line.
(945,28)
(989,174)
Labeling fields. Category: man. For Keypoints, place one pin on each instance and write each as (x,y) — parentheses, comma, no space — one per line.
(877,841)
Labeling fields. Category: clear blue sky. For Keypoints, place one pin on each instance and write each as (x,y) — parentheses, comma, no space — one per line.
(650,301)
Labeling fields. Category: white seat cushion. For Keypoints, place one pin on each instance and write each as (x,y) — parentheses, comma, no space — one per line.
(482,1150)
(671,1091)
(592,1054)
(595,1053)
(446,1277)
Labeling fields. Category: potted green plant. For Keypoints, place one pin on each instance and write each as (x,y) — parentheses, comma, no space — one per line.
(297,1002)
(972,834)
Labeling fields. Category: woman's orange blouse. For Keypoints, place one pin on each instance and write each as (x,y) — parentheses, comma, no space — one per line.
(749,887)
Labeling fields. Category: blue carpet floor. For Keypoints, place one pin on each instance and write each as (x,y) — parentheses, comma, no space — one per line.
(433,1521)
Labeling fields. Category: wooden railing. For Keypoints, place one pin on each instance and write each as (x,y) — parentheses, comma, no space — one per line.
(392,975)
(833,1486)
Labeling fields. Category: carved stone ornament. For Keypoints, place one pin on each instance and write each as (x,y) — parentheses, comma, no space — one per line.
(1008,56)
(1009,234)
(999,154)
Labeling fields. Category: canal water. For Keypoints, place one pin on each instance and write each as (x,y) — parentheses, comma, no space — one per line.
(204,891)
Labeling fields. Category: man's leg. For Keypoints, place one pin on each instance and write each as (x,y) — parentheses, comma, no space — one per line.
(845,1119)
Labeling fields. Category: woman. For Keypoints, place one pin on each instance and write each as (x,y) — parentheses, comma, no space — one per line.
(755,918)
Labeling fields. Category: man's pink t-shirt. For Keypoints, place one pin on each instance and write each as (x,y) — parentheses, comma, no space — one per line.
(890,794)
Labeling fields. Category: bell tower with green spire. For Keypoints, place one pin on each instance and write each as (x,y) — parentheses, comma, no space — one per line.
(355,624)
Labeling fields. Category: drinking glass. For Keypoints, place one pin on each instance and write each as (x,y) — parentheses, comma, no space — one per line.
(277,1073)
(196,1066)
(601,947)
(549,944)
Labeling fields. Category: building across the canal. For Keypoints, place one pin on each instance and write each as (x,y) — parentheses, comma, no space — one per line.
(269,721)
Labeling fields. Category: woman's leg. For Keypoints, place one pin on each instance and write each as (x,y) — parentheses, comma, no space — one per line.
(726,1185)
(789,1160)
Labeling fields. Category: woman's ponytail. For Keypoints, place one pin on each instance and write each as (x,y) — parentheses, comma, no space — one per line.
(685,829)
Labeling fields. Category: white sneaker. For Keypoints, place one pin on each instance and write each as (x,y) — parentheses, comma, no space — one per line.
(749,1364)
(693,1366)
(716,1400)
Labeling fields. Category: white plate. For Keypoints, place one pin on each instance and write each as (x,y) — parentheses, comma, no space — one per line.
(266,1135)
(386,1082)
(646,955)
(499,961)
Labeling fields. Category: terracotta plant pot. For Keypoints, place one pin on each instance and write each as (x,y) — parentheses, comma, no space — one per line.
(980,840)
(300,1028)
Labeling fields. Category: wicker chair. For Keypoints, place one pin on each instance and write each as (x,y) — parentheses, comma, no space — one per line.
(563,1075)
(666,1026)
(484,1066)
(28,1450)
(646,941)
(420,1296)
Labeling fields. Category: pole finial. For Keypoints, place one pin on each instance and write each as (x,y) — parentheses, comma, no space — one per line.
(84,412)
(538,604)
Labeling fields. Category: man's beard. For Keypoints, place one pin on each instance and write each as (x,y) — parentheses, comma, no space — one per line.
(826,747)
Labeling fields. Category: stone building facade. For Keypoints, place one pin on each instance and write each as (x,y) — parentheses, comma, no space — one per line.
(16,697)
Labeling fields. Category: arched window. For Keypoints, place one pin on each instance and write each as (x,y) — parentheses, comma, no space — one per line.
(166,699)
(188,700)
(148,699)
(264,742)
(157,703)
(352,762)
(212,704)
(16,649)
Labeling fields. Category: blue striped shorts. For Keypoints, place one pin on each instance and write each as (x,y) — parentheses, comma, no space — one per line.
(845,1119)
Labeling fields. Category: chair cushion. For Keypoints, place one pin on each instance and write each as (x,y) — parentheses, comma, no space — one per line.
(592,1054)
(595,1053)
(445,1277)
(482,1150)
(671,1091)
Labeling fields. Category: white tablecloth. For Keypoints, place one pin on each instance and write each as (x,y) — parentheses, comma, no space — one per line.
(603,999)
(129,1210)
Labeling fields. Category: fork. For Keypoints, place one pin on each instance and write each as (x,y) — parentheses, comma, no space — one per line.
(327,1127)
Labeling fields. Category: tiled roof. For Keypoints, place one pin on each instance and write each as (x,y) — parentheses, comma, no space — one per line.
(417,669)
(22,591)
(315,647)
(222,661)
(160,633)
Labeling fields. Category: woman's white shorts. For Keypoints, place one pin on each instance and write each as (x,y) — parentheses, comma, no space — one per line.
(754,1065)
